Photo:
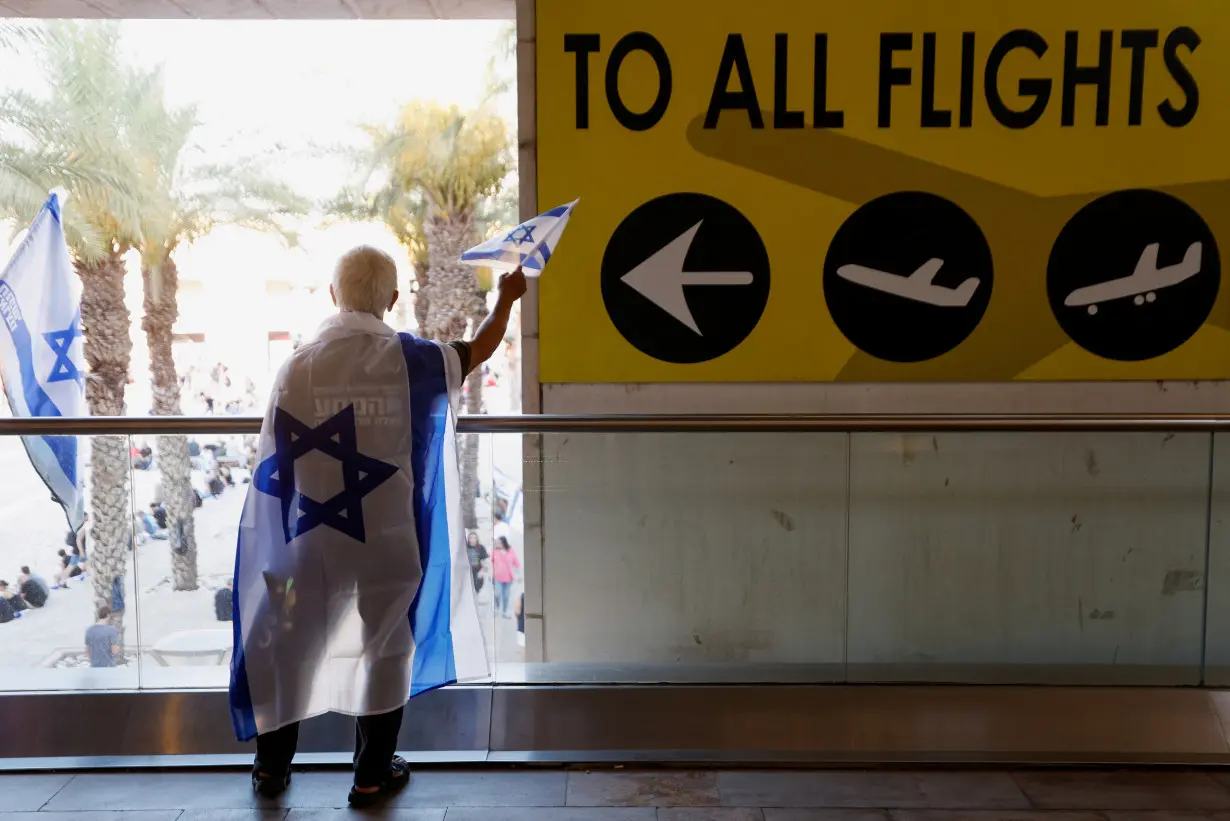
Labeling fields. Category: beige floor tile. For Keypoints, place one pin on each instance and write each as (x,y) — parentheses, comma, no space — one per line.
(710,814)
(1123,790)
(551,814)
(870,789)
(383,813)
(194,790)
(996,815)
(93,815)
(483,788)
(24,793)
(798,814)
(642,789)
(1167,815)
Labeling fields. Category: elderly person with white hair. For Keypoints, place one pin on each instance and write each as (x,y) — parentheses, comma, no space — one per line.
(352,584)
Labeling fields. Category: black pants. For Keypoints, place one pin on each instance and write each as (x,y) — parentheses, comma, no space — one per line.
(374,746)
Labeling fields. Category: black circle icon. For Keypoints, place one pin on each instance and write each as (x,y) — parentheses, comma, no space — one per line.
(908,277)
(1133,275)
(685,278)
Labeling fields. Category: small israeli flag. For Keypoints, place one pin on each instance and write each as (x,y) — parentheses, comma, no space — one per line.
(40,350)
(528,246)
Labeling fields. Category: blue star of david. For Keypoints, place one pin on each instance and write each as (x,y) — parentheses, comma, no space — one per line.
(521,234)
(61,342)
(336,437)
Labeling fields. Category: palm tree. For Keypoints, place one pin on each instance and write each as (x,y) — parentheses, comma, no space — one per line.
(133,188)
(74,135)
(437,169)
(182,202)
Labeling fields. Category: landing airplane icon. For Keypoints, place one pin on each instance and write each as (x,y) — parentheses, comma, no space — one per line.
(661,278)
(1143,284)
(917,286)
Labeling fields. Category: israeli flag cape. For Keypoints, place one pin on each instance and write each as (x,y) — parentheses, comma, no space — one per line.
(529,246)
(352,586)
(40,350)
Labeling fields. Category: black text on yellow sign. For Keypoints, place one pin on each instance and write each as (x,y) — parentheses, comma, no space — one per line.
(888,192)
(1141,47)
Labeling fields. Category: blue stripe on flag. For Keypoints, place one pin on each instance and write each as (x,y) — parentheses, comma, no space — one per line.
(243,718)
(38,403)
(557,211)
(65,450)
(507,255)
(431,611)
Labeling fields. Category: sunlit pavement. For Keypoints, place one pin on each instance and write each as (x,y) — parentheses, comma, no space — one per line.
(33,529)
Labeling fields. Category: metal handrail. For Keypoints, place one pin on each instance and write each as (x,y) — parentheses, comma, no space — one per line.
(674,423)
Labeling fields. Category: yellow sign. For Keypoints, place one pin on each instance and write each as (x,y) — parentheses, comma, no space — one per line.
(885,191)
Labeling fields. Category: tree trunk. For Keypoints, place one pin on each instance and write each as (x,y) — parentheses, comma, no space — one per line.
(108,349)
(452,288)
(161,285)
(420,299)
(514,361)
(469,453)
(452,298)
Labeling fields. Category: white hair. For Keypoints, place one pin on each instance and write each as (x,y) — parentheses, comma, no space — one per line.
(365,280)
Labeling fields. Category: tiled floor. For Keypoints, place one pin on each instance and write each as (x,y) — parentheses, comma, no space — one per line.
(623,795)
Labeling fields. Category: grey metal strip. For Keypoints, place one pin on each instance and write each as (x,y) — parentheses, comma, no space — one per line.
(119,725)
(662,423)
(758,724)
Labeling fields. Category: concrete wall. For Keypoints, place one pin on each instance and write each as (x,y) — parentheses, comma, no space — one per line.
(709,549)
(877,557)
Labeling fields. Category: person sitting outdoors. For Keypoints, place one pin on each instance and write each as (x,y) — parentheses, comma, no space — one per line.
(224,601)
(70,567)
(83,539)
(102,640)
(33,587)
(147,526)
(13,597)
(159,512)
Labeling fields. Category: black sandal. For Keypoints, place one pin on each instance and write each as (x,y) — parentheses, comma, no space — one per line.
(270,786)
(399,777)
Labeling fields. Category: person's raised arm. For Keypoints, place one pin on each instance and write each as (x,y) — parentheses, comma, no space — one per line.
(490,333)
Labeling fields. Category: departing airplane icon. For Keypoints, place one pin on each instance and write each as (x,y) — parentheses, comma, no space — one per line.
(917,286)
(1143,284)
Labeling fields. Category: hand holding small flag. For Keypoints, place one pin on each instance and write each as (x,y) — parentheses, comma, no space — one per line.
(511,286)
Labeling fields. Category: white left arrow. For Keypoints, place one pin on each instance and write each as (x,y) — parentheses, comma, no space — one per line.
(661,278)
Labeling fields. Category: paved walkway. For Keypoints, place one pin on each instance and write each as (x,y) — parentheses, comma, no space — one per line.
(622,795)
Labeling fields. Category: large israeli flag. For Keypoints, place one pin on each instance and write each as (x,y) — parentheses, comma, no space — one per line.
(352,585)
(40,350)
(528,246)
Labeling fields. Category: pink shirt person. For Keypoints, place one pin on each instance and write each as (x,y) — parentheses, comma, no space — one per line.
(504,562)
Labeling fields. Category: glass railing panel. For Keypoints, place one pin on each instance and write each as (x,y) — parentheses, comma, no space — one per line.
(502,598)
(54,639)
(188,493)
(720,557)
(699,557)
(478,522)
(1027,557)
(1217,621)
(186,571)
